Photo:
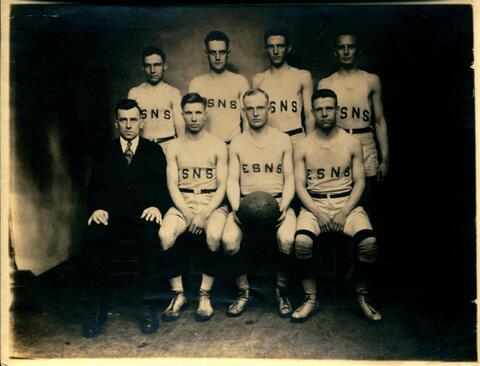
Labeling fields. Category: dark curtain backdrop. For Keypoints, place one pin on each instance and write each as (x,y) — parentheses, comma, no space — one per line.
(71,63)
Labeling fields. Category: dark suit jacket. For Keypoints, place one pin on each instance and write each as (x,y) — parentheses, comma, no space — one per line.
(119,188)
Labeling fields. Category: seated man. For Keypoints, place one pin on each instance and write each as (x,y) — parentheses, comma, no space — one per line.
(329,180)
(126,195)
(260,160)
(197,177)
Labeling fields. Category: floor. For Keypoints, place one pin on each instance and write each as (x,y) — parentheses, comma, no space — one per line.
(415,327)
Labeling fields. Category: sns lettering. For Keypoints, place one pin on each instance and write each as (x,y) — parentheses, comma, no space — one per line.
(156,113)
(262,168)
(197,173)
(334,172)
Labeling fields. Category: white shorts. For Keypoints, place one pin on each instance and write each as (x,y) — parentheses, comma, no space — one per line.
(370,154)
(195,202)
(357,220)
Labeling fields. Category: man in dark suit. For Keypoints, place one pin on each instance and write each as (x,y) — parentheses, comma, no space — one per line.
(127,195)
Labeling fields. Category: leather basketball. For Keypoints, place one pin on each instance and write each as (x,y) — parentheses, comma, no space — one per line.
(258,209)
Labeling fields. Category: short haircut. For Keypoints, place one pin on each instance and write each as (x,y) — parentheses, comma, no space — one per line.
(216,35)
(191,98)
(126,104)
(276,31)
(347,32)
(324,93)
(153,51)
(255,91)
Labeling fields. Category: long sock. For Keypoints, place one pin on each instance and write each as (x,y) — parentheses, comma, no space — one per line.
(242,282)
(310,287)
(176,284)
(207,282)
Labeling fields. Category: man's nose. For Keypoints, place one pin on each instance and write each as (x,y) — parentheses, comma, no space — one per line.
(128,125)
(275,50)
(217,56)
(346,51)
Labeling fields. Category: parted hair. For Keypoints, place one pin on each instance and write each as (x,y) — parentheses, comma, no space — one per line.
(191,98)
(324,93)
(216,35)
(126,104)
(255,91)
(276,31)
(153,51)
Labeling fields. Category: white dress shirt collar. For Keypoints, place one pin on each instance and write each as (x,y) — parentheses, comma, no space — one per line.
(124,143)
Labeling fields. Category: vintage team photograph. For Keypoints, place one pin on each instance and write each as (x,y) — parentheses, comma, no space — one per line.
(239,182)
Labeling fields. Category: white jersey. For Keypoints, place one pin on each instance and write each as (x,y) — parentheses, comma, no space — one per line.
(197,162)
(224,102)
(158,104)
(354,108)
(285,94)
(261,168)
(329,168)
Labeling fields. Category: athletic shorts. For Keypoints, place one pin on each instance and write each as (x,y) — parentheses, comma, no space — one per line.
(195,202)
(357,220)
(370,154)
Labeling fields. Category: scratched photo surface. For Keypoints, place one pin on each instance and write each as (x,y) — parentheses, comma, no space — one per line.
(70,64)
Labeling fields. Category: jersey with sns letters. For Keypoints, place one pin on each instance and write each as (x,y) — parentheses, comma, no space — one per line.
(157,103)
(328,167)
(354,108)
(197,163)
(224,102)
(261,168)
(285,98)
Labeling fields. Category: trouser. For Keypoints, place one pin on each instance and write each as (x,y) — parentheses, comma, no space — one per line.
(104,245)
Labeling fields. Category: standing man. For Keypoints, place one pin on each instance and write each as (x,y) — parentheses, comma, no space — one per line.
(197,178)
(359,104)
(329,179)
(159,102)
(260,159)
(223,89)
(126,196)
(289,88)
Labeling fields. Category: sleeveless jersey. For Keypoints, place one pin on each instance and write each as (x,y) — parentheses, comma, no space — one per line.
(285,99)
(354,109)
(224,104)
(196,164)
(157,103)
(329,169)
(261,168)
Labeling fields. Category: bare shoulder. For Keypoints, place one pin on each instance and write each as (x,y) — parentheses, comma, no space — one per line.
(257,78)
(304,75)
(280,137)
(301,145)
(236,142)
(173,147)
(217,143)
(350,141)
(373,81)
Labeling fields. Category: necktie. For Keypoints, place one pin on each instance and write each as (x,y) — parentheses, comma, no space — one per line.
(129,152)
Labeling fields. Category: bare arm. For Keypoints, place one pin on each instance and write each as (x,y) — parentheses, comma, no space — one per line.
(233,181)
(243,89)
(200,218)
(172,181)
(222,172)
(301,178)
(288,176)
(307,90)
(380,125)
(358,175)
(178,121)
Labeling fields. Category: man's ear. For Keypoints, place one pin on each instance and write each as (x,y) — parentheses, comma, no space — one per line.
(165,66)
(289,49)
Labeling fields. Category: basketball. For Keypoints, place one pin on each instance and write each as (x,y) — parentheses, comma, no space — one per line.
(258,209)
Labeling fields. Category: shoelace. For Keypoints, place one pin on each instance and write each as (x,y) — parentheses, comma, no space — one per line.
(242,295)
(174,301)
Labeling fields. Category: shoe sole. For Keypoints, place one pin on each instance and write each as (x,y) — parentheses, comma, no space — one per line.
(358,311)
(304,319)
(284,316)
(202,318)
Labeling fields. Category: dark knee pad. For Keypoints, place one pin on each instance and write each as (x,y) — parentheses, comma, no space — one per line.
(300,252)
(366,252)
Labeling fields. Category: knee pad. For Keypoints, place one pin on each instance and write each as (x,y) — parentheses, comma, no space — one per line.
(367,245)
(304,247)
